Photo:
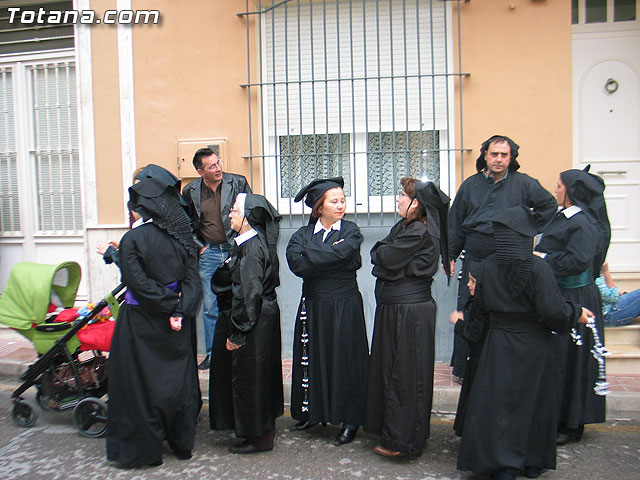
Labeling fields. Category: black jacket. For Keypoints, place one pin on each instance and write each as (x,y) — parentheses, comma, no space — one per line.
(232,185)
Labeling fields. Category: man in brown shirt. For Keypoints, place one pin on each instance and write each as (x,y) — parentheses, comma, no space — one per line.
(210,199)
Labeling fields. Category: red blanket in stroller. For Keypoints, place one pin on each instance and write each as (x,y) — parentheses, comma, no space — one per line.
(95,336)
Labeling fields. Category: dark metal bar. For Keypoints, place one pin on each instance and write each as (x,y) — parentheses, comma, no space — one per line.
(374,77)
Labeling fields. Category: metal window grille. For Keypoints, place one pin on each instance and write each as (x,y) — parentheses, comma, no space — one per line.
(306,157)
(56,148)
(393,155)
(9,201)
(371,74)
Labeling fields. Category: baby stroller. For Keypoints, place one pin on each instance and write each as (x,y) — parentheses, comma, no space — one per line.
(62,379)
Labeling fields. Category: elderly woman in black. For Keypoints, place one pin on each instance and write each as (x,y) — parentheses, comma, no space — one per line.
(154,394)
(574,244)
(400,389)
(510,419)
(330,351)
(245,388)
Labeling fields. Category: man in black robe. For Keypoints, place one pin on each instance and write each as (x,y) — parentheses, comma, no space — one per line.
(510,422)
(497,186)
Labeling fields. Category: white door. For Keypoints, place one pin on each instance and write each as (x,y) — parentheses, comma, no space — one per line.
(606,106)
(41,212)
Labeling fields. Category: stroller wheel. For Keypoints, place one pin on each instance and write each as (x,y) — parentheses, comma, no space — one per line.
(23,414)
(46,402)
(90,417)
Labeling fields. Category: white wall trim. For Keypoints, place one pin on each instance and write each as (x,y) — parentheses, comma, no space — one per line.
(85,117)
(127,114)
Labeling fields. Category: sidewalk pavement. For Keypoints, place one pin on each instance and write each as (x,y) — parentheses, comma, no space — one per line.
(623,401)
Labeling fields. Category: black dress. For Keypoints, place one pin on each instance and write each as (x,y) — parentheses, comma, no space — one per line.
(330,350)
(510,420)
(154,392)
(571,241)
(245,387)
(400,389)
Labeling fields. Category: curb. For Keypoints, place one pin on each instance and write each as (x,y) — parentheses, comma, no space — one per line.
(620,405)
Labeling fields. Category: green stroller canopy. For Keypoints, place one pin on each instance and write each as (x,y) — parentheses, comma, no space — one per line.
(32,287)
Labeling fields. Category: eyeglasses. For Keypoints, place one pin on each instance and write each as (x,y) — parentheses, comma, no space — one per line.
(402,194)
(215,166)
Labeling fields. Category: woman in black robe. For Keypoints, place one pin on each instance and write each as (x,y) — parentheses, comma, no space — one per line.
(400,389)
(510,420)
(154,394)
(330,350)
(574,244)
(245,387)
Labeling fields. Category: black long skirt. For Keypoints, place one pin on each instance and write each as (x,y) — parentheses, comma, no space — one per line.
(337,349)
(578,404)
(154,394)
(510,420)
(245,385)
(400,389)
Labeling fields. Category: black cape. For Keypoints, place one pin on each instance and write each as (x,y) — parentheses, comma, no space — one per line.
(154,393)
(332,315)
(245,386)
(571,244)
(511,414)
(400,389)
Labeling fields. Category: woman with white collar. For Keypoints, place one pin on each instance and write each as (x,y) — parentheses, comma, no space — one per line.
(330,350)
(575,244)
(245,388)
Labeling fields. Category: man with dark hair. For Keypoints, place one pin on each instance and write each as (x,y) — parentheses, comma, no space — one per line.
(210,199)
(497,186)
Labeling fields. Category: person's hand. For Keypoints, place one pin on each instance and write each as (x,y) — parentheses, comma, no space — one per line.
(538,254)
(452,267)
(232,346)
(176,323)
(102,247)
(455,316)
(586,316)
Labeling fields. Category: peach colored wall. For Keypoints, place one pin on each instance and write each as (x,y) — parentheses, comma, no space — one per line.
(519,55)
(187,76)
(106,117)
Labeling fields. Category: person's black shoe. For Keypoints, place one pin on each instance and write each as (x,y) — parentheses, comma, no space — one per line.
(204,364)
(180,453)
(504,474)
(346,435)
(532,472)
(246,447)
(302,425)
(563,438)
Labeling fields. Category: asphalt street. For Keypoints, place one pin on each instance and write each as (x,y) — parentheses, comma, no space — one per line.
(53,449)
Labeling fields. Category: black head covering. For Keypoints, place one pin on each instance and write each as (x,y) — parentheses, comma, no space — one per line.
(164,176)
(513,232)
(481,163)
(316,189)
(264,218)
(436,204)
(586,190)
(152,198)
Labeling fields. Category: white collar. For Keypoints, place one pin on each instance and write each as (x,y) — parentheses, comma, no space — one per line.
(140,221)
(571,211)
(319,227)
(243,237)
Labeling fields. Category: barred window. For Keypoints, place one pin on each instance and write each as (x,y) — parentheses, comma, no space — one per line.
(393,155)
(304,158)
